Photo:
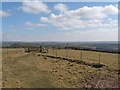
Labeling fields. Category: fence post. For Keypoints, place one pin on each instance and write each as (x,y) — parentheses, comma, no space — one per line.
(16,49)
(66,51)
(47,50)
(40,49)
(56,52)
(7,51)
(99,58)
(81,55)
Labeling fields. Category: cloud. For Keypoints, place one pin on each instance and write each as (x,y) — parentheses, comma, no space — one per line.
(34,7)
(66,23)
(101,34)
(93,12)
(60,7)
(4,14)
(33,24)
(73,19)
(30,29)
(41,25)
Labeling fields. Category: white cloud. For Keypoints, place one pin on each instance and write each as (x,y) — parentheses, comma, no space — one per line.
(101,34)
(97,18)
(65,23)
(60,7)
(93,12)
(30,29)
(42,25)
(33,24)
(72,19)
(4,14)
(34,7)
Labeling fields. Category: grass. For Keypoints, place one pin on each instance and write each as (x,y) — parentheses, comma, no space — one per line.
(108,59)
(22,68)
(31,70)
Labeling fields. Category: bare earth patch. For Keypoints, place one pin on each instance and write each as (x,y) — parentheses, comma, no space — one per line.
(100,82)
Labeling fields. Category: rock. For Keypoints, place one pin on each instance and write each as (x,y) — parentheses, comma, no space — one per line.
(45,57)
(80,72)
(54,70)
(38,55)
(75,72)
(17,81)
(71,64)
(72,72)
(5,79)
(69,81)
(15,74)
(60,78)
(68,67)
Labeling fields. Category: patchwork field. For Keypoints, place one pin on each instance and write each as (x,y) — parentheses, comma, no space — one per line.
(56,70)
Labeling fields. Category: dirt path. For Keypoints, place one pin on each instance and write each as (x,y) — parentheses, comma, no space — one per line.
(22,73)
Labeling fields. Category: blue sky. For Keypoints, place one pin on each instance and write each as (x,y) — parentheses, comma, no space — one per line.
(60,21)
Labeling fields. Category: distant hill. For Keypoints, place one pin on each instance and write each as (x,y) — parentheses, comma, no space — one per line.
(106,46)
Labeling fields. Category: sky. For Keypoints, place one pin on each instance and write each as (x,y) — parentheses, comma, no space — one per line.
(59,21)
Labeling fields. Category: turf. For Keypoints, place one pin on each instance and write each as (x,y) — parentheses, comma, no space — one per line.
(36,70)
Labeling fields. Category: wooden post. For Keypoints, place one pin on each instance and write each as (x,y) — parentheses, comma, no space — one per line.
(16,49)
(28,49)
(66,51)
(99,58)
(39,48)
(47,50)
(81,54)
(56,52)
(7,51)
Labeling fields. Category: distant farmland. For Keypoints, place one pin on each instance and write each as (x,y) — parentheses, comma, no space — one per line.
(110,47)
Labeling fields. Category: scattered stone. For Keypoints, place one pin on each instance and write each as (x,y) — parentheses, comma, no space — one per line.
(80,72)
(55,61)
(71,72)
(54,70)
(69,81)
(71,64)
(45,57)
(68,63)
(60,78)
(38,55)
(17,81)
(61,75)
(75,72)
(68,67)
(15,74)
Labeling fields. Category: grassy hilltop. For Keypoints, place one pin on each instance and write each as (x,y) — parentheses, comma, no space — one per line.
(48,70)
